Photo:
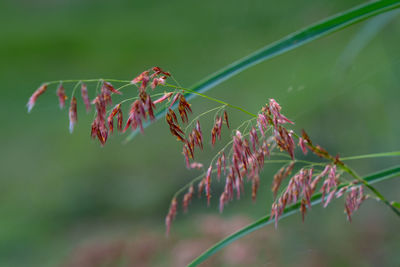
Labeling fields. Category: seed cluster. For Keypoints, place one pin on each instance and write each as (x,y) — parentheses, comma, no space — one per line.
(141,110)
(248,149)
(247,154)
(246,160)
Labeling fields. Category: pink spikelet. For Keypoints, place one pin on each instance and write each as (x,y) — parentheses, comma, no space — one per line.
(171,215)
(186,154)
(149,104)
(184,108)
(158,71)
(143,78)
(301,187)
(111,88)
(187,198)
(262,123)
(219,166)
(61,96)
(223,199)
(302,144)
(110,120)
(196,165)
(208,184)
(163,98)
(226,118)
(73,117)
(275,109)
(223,159)
(200,187)
(254,138)
(157,81)
(137,114)
(85,97)
(119,120)
(174,99)
(329,186)
(35,95)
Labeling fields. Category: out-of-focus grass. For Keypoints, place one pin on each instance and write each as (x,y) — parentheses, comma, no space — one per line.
(59,190)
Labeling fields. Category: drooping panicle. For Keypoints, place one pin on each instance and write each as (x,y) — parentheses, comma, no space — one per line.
(301,187)
(35,95)
(85,97)
(73,116)
(61,96)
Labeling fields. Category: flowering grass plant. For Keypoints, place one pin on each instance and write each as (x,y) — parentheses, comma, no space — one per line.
(266,137)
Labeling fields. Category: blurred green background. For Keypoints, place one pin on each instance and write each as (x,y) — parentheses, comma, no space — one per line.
(65,201)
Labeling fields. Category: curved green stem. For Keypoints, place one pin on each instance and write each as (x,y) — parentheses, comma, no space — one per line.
(212,99)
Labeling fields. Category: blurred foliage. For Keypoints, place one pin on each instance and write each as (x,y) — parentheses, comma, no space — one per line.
(61,192)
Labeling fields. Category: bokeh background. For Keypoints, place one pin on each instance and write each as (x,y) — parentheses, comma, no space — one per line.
(65,201)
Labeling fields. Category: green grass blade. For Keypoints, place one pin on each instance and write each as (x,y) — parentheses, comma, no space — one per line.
(290,42)
(375,155)
(373,178)
(361,39)
(395,204)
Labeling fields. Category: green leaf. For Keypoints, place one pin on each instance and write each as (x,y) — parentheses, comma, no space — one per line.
(290,42)
(375,155)
(373,178)
(361,39)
